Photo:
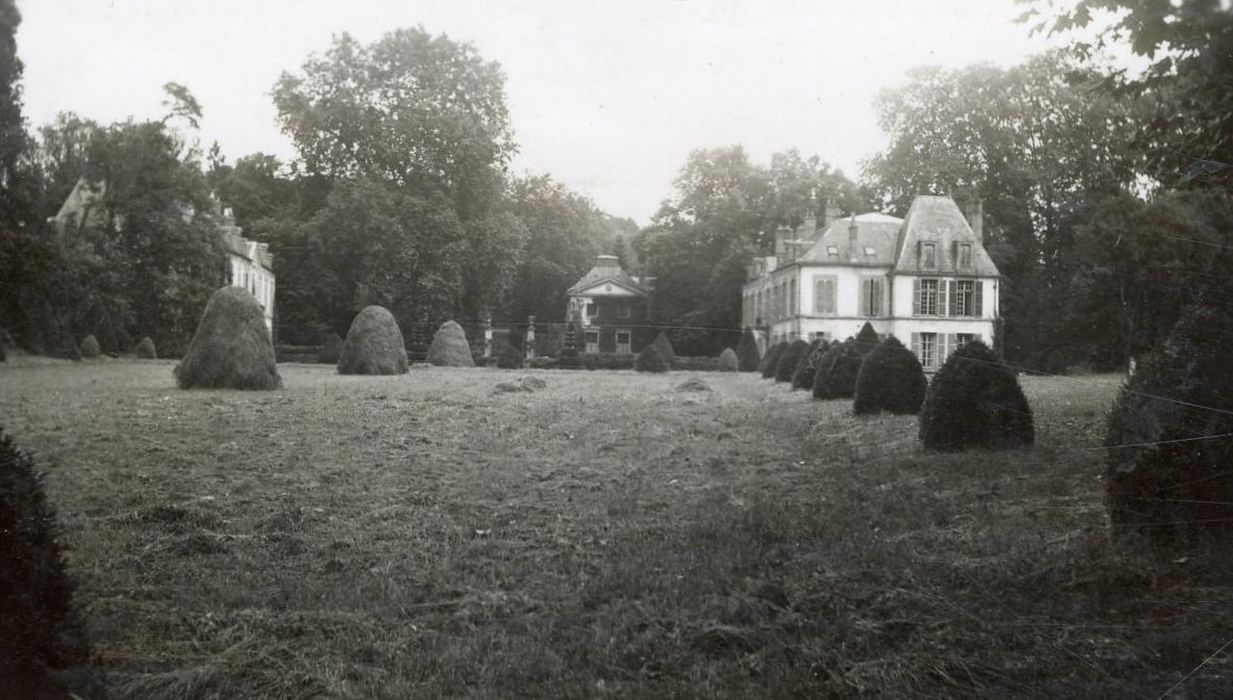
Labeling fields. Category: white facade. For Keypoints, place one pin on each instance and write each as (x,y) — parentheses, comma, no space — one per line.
(251,266)
(925,280)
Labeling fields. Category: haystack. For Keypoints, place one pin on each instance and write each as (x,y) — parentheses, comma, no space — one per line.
(145,349)
(231,348)
(374,344)
(89,348)
(330,350)
(449,347)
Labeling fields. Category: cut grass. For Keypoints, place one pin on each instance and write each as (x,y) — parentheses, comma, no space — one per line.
(419,535)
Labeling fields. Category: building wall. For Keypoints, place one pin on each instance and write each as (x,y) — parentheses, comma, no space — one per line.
(258,280)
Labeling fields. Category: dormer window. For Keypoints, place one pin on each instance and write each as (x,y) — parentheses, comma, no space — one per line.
(870,252)
(965,255)
(832,251)
(929,255)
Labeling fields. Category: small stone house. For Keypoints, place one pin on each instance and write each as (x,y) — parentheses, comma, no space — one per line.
(612,307)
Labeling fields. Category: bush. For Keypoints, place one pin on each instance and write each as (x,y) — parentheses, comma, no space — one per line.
(649,360)
(1183,489)
(374,344)
(145,349)
(695,364)
(508,356)
(664,346)
(835,377)
(569,359)
(449,347)
(807,368)
(975,401)
(90,349)
(770,362)
(747,351)
(788,360)
(39,626)
(728,361)
(331,349)
(231,348)
(890,380)
(867,339)
(607,360)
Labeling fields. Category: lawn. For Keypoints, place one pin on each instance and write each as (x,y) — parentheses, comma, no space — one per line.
(608,534)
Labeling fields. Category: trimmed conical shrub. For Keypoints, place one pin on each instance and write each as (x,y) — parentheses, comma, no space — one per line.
(890,380)
(770,362)
(231,348)
(145,349)
(90,349)
(807,368)
(1163,475)
(747,352)
(649,360)
(449,347)
(39,625)
(835,377)
(867,339)
(788,360)
(330,350)
(374,344)
(664,346)
(975,401)
(728,361)
(508,356)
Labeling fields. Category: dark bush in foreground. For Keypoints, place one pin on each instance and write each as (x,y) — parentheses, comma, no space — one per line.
(231,348)
(649,360)
(806,367)
(975,401)
(890,380)
(664,346)
(508,356)
(770,362)
(728,361)
(374,344)
(1160,480)
(449,347)
(145,349)
(39,627)
(331,349)
(90,349)
(788,360)
(835,377)
(747,352)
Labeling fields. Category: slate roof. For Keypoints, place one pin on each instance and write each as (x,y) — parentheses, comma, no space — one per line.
(935,219)
(873,230)
(606,269)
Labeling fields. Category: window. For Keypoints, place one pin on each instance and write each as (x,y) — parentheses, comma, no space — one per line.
(824,296)
(965,255)
(929,256)
(592,340)
(820,335)
(925,297)
(592,309)
(870,252)
(925,345)
(871,297)
(965,297)
(623,311)
(622,342)
(832,251)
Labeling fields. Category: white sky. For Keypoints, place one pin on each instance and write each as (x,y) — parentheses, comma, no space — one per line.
(607,96)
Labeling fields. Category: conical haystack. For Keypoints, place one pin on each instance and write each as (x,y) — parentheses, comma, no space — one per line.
(374,344)
(449,347)
(231,348)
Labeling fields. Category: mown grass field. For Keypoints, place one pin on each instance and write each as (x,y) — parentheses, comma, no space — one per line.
(606,535)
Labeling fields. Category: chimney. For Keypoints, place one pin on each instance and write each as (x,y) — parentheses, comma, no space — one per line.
(781,235)
(853,242)
(607,261)
(976,219)
(830,215)
(809,227)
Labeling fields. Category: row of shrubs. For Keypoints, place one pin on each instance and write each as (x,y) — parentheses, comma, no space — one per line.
(974,400)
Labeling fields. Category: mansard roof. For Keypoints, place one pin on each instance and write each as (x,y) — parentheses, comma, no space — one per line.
(937,220)
(607,270)
(875,232)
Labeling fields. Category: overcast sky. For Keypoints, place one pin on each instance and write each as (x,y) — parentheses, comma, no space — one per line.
(606,96)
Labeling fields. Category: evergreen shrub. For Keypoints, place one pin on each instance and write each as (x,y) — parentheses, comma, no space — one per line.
(890,380)
(975,401)
(649,360)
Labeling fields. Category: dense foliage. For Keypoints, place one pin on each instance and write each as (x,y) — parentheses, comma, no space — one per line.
(39,626)
(835,377)
(975,401)
(807,368)
(664,346)
(890,380)
(785,367)
(1165,474)
(728,361)
(649,360)
(89,348)
(508,356)
(146,349)
(770,361)
(747,351)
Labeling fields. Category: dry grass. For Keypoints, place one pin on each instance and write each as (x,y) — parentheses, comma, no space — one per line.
(421,536)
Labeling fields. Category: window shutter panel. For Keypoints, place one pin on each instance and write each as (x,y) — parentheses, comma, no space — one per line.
(977,287)
(916,297)
(916,345)
(952,288)
(864,297)
(877,297)
(830,295)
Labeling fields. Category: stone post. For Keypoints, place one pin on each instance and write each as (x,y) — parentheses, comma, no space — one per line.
(488,336)
(530,337)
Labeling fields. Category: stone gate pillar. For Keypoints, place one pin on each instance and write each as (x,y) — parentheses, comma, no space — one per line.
(530,337)
(488,336)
